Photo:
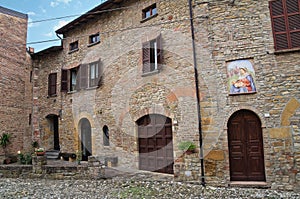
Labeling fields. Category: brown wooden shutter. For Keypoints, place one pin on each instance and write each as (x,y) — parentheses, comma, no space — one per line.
(64,80)
(293,13)
(100,73)
(285,17)
(52,84)
(83,76)
(146,57)
(159,52)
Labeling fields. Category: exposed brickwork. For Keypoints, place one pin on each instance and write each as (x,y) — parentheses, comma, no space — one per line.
(15,86)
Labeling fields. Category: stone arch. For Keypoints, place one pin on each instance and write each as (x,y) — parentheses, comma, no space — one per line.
(289,111)
(236,109)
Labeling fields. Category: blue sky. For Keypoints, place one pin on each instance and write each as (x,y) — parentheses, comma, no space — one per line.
(46,9)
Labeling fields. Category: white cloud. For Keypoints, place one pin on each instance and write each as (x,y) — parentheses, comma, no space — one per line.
(43,10)
(60,24)
(31,13)
(57,2)
(50,34)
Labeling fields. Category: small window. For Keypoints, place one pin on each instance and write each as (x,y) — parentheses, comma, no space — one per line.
(52,84)
(285,15)
(152,55)
(93,39)
(149,11)
(73,46)
(105,136)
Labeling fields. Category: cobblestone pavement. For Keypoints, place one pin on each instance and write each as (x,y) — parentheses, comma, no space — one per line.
(137,186)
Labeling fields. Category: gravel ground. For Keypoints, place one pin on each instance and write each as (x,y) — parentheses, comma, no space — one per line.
(125,187)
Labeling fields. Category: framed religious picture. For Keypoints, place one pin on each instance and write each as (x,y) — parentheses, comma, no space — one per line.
(241,77)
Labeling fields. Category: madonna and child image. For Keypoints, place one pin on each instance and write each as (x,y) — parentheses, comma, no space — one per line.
(241,77)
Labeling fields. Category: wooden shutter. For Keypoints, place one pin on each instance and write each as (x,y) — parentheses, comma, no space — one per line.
(52,84)
(100,73)
(293,18)
(285,17)
(146,57)
(64,80)
(82,77)
(159,52)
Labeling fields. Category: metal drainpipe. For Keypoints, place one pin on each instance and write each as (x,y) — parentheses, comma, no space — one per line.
(197,94)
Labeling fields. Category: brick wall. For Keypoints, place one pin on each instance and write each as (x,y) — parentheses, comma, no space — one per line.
(15,79)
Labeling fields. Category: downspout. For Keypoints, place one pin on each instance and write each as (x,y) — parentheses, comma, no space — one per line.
(197,94)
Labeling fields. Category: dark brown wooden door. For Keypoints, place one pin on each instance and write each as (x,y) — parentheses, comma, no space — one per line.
(246,156)
(155,144)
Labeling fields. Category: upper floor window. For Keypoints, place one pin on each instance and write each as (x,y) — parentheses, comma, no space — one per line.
(93,39)
(149,11)
(52,78)
(94,74)
(285,15)
(81,77)
(73,46)
(152,55)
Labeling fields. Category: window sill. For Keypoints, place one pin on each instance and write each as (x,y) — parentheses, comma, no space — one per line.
(148,18)
(287,51)
(150,73)
(93,44)
(92,88)
(71,92)
(72,51)
(51,96)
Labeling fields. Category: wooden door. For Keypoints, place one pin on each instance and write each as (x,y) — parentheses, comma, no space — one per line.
(155,144)
(86,139)
(246,156)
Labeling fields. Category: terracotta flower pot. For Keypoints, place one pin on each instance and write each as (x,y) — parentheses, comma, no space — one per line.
(40,153)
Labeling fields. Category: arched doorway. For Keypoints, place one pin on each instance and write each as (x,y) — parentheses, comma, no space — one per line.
(245,142)
(86,138)
(155,144)
(53,127)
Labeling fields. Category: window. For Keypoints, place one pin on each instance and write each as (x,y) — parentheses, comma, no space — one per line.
(73,79)
(94,74)
(81,77)
(52,84)
(285,15)
(73,46)
(152,55)
(149,11)
(93,39)
(105,136)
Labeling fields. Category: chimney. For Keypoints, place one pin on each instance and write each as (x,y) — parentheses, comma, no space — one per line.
(30,50)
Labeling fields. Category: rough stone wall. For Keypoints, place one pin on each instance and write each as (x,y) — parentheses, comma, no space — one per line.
(243,31)
(125,96)
(223,32)
(14,79)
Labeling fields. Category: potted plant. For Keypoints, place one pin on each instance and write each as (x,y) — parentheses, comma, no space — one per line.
(40,151)
(187,146)
(4,141)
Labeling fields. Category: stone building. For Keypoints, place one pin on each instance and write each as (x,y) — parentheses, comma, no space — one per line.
(122,88)
(15,86)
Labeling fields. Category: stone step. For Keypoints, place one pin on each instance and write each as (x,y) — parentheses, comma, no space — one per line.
(52,154)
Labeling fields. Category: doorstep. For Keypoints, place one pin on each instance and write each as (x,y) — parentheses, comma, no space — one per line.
(249,184)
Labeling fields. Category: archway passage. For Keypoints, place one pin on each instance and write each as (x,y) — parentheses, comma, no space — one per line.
(245,140)
(155,144)
(86,138)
